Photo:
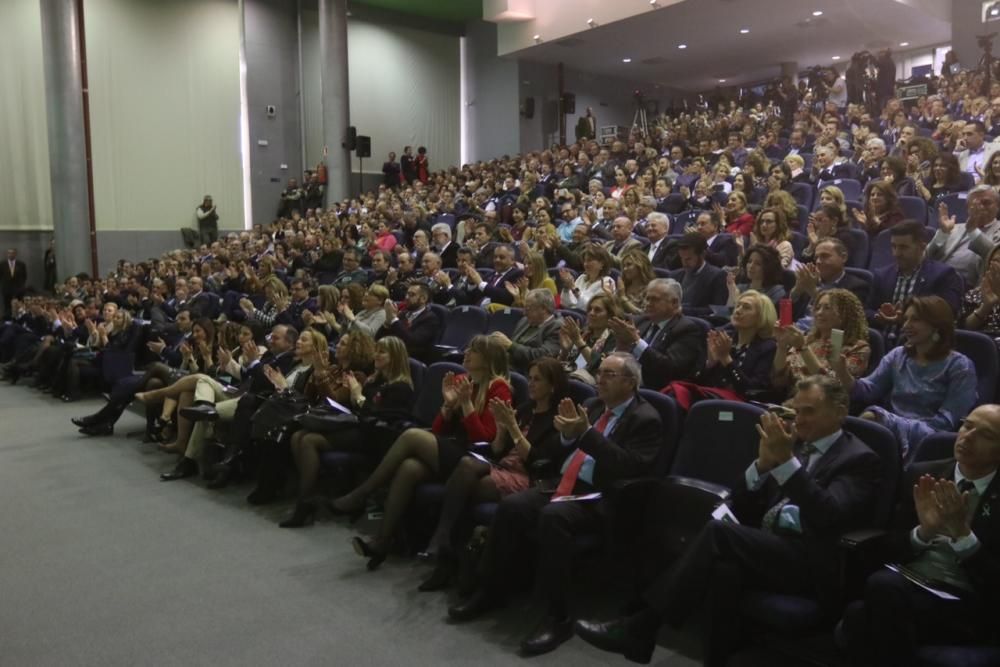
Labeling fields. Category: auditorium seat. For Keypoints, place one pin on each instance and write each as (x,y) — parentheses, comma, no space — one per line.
(682,221)
(803,194)
(935,447)
(881,251)
(429,398)
(914,208)
(982,350)
(958,206)
(858,250)
(849,186)
(504,320)
(462,324)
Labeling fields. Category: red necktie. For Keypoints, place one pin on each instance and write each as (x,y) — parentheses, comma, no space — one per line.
(572,471)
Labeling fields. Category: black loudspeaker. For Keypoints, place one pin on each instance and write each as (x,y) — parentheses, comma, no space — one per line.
(569,103)
(363,146)
(352,138)
(529,107)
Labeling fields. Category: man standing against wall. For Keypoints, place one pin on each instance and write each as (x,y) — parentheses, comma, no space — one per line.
(13,276)
(208,220)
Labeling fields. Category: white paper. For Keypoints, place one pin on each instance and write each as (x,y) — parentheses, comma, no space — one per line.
(723,513)
(586,496)
(337,406)
(933,591)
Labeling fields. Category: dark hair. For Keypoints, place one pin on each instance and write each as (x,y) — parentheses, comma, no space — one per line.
(552,370)
(833,391)
(897,166)
(424,289)
(909,228)
(786,171)
(693,241)
(421,150)
(834,213)
(773,272)
(208,327)
(888,191)
(936,312)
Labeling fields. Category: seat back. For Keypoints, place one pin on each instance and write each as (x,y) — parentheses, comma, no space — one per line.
(718,442)
(877,345)
(914,208)
(799,242)
(857,256)
(418,370)
(580,318)
(504,320)
(580,392)
(429,399)
(803,194)
(881,441)
(670,417)
(982,351)
(442,313)
(462,324)
(881,253)
(958,205)
(519,387)
(682,221)
(935,447)
(849,186)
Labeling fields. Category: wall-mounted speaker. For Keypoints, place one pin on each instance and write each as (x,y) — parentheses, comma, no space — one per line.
(352,138)
(363,146)
(569,103)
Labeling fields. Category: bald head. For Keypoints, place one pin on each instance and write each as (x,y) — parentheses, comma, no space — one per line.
(977,447)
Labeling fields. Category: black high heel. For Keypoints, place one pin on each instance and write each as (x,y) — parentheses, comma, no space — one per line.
(374,556)
(442,575)
(303,515)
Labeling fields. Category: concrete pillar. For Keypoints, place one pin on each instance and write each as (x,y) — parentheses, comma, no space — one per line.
(336,96)
(62,47)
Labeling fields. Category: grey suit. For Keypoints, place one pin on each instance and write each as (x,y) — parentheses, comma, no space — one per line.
(965,251)
(532,342)
(624,247)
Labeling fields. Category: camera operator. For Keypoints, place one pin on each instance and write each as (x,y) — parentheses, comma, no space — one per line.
(836,87)
(885,83)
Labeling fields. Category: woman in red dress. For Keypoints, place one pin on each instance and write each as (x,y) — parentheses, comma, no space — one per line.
(423,170)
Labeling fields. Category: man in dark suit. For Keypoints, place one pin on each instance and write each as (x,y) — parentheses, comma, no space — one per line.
(622,443)
(910,275)
(202,303)
(667,345)
(504,271)
(809,484)
(827,168)
(418,326)
(657,227)
(704,285)
(391,171)
(13,276)
(536,335)
(947,534)
(463,290)
(622,239)
(722,249)
(443,245)
(826,272)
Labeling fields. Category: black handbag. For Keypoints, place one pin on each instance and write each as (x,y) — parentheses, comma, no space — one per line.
(278,411)
(326,421)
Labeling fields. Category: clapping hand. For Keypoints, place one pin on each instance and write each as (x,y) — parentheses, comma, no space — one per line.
(344,309)
(946,223)
(224,356)
(353,386)
(275,377)
(806,279)
(504,415)
(941,509)
(988,288)
(789,338)
(502,339)
(776,441)
(889,314)
(449,393)
(512,288)
(625,333)
(571,420)
(185,349)
(464,389)
(720,347)
(246,305)
(156,346)
(391,311)
(566,278)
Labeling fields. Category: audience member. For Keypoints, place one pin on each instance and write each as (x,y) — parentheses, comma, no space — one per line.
(965,246)
(536,335)
(761,271)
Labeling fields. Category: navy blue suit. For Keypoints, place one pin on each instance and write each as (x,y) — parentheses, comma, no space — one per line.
(933,279)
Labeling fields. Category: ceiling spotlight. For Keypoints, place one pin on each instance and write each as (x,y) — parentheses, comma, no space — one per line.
(536,37)
(626,60)
(744,31)
(904,43)
(836,58)
(682,46)
(818,12)
(590,22)
(652,3)
(722,80)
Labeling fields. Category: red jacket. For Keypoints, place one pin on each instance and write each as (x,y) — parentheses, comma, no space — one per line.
(479,426)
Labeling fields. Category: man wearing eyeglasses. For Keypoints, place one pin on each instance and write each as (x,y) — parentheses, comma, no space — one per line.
(616,440)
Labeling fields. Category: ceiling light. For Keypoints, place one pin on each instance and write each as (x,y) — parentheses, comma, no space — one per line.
(626,60)
(818,12)
(836,58)
(904,43)
(682,46)
(536,37)
(722,80)
(744,31)
(590,22)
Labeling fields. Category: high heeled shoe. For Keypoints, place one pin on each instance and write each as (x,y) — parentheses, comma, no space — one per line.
(444,570)
(366,550)
(304,514)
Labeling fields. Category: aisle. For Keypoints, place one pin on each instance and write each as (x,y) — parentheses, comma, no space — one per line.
(102,564)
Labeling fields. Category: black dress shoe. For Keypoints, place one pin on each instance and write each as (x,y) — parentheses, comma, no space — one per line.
(222,474)
(618,637)
(202,411)
(82,421)
(303,515)
(481,602)
(98,429)
(185,468)
(549,634)
(442,575)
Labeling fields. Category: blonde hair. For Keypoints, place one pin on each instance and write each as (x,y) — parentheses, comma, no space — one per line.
(329,297)
(399,360)
(497,362)
(838,197)
(539,270)
(795,162)
(766,314)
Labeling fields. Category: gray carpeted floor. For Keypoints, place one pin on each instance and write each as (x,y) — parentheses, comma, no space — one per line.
(102,564)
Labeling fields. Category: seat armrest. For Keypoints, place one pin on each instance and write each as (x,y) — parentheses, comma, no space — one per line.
(722,493)
(867,538)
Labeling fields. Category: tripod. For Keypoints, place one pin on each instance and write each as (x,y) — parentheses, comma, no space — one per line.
(639,119)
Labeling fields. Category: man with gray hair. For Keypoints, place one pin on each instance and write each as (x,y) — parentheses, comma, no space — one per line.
(441,242)
(657,228)
(617,439)
(871,160)
(536,334)
(667,345)
(965,247)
